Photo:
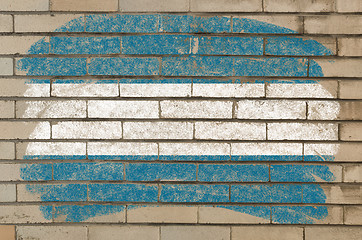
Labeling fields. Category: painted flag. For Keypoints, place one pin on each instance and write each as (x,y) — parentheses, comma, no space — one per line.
(177,111)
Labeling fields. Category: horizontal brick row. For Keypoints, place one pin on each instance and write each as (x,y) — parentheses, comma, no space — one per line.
(190,193)
(333,24)
(185,6)
(172,172)
(180,214)
(178,66)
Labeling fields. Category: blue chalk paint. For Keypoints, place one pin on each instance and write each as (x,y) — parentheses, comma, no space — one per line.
(81,213)
(88,171)
(262,193)
(85,45)
(79,81)
(295,46)
(298,214)
(194,157)
(75,25)
(245,25)
(160,172)
(36,172)
(156,44)
(124,66)
(266,157)
(123,157)
(315,70)
(300,173)
(40,47)
(53,66)
(123,192)
(313,193)
(229,46)
(59,192)
(194,193)
(233,173)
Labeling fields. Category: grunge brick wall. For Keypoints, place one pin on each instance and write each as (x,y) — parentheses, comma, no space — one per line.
(180,119)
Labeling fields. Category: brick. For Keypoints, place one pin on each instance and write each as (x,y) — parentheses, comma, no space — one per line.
(351,132)
(334,110)
(333,233)
(333,68)
(336,24)
(6,23)
(25,130)
(6,66)
(227,45)
(161,214)
(349,6)
(158,130)
(160,172)
(293,89)
(350,89)
(302,131)
(24,45)
(23,214)
(122,150)
(220,89)
(305,173)
(194,151)
(18,5)
(263,193)
(297,6)
(84,88)
(24,87)
(7,193)
(352,173)
(123,109)
(156,44)
(343,152)
(335,194)
(307,215)
(154,6)
(350,46)
(261,24)
(125,232)
(49,23)
(85,45)
(188,193)
(155,88)
(230,131)
(196,109)
(194,232)
(51,109)
(226,6)
(197,66)
(84,5)
(234,214)
(124,66)
(51,66)
(10,172)
(233,173)
(271,109)
(121,192)
(352,215)
(266,151)
(122,23)
(267,233)
(90,213)
(51,150)
(52,192)
(296,46)
(87,130)
(195,24)
(7,232)
(7,150)
(88,171)
(52,232)
(7,109)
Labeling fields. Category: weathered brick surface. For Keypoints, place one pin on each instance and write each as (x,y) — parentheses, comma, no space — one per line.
(180,119)
(7,232)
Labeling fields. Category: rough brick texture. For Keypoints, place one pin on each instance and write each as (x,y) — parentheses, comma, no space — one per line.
(180,119)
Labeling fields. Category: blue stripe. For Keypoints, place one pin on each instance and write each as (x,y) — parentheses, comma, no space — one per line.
(85,45)
(267,158)
(59,192)
(298,214)
(300,173)
(77,213)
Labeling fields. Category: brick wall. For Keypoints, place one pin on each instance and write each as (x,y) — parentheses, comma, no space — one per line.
(180,119)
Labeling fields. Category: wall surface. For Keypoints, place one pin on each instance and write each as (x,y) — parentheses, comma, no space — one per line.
(180,119)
